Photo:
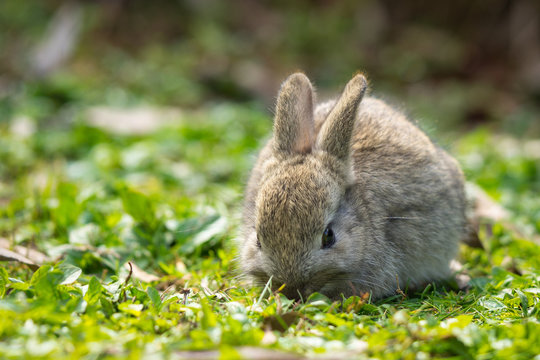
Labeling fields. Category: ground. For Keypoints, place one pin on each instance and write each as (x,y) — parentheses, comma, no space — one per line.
(136,232)
(121,179)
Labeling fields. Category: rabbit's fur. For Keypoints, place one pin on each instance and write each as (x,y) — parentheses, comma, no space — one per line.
(394,200)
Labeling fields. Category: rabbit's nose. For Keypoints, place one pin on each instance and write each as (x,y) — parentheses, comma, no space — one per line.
(299,292)
(292,294)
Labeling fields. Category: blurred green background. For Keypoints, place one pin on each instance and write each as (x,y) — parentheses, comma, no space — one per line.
(453,66)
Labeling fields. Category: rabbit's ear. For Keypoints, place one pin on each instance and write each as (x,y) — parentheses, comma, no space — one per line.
(293,124)
(336,132)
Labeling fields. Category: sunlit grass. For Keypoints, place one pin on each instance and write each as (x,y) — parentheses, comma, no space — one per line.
(168,202)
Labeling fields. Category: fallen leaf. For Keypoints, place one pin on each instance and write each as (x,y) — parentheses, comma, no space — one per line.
(8,255)
(135,121)
(485,207)
(140,274)
(482,210)
(31,256)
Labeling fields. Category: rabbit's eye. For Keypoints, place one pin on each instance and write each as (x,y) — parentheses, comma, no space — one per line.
(258,242)
(328,238)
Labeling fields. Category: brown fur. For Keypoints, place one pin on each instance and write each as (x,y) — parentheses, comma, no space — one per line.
(395,201)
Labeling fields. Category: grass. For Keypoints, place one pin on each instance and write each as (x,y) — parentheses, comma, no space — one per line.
(95,203)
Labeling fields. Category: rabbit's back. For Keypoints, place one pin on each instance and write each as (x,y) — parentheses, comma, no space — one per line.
(411,190)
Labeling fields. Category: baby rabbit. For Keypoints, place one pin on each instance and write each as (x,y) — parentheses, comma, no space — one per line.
(349,198)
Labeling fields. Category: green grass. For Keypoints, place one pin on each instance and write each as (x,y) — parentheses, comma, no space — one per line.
(169,203)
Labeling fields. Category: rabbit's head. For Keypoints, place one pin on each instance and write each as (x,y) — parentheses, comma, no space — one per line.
(303,180)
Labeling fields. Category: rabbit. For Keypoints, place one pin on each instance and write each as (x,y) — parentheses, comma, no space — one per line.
(349,198)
